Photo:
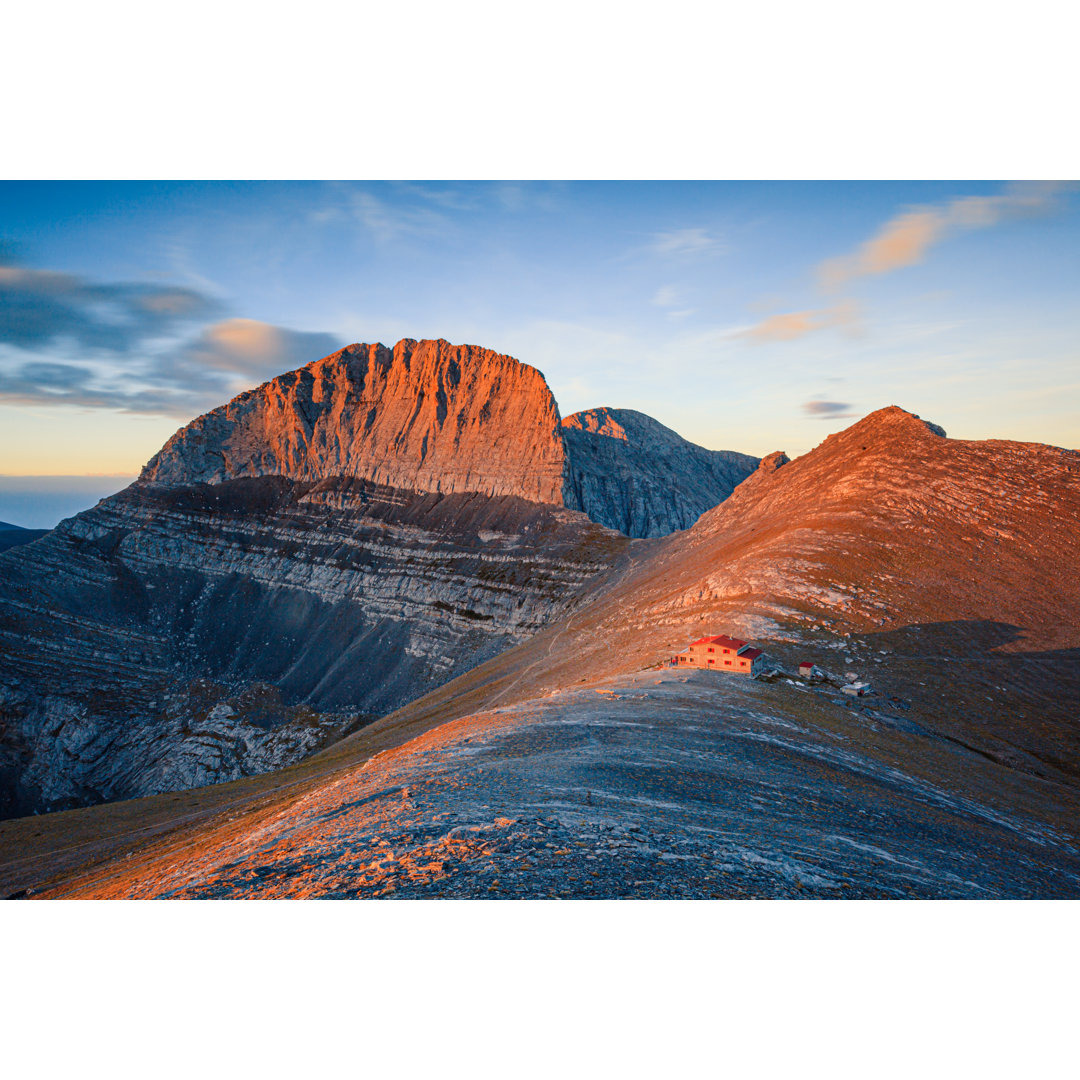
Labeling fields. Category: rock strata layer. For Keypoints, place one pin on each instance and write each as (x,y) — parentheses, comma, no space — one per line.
(179,636)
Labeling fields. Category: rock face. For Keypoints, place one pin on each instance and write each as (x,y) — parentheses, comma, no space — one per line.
(629,472)
(431,416)
(423,416)
(136,636)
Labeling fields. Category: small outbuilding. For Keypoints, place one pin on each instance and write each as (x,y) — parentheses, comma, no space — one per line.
(806,668)
(721,653)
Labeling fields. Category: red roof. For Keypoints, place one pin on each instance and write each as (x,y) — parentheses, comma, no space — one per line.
(750,654)
(721,639)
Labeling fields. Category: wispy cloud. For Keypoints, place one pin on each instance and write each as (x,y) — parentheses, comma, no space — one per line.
(181,381)
(388,223)
(65,340)
(828,410)
(905,240)
(796,324)
(684,242)
(40,308)
(247,349)
(671,299)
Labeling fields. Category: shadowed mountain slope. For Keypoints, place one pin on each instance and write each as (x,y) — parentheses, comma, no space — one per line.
(15,535)
(629,472)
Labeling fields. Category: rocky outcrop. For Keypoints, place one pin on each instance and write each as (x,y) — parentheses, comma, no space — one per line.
(423,416)
(177,636)
(629,472)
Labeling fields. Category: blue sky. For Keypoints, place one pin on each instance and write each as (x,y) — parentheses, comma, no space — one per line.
(747,316)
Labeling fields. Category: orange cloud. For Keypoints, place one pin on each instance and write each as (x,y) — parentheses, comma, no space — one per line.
(905,239)
(796,324)
(785,327)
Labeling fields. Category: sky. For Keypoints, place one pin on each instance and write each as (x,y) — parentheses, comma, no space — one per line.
(749,316)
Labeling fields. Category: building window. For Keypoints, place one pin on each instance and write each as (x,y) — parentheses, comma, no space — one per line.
(728,662)
(712,661)
(712,650)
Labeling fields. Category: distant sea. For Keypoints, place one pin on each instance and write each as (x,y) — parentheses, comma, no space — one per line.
(42,502)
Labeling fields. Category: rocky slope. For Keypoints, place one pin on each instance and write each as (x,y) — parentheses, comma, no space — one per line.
(629,472)
(941,570)
(176,636)
(661,785)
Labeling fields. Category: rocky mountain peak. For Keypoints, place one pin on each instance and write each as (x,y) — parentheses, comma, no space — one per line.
(631,473)
(423,416)
(598,422)
(894,422)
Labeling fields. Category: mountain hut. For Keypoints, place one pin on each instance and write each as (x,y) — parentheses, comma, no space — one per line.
(721,653)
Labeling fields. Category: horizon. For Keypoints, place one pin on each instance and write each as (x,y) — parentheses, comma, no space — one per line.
(746,316)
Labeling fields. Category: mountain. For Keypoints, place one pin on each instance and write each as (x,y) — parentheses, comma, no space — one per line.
(15,535)
(424,416)
(943,564)
(939,570)
(430,416)
(629,472)
(297,562)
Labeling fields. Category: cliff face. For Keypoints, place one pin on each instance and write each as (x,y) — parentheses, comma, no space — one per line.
(629,472)
(431,416)
(423,416)
(179,636)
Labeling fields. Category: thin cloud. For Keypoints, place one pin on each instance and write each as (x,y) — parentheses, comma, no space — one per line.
(684,242)
(65,340)
(42,308)
(181,381)
(387,223)
(828,410)
(907,238)
(796,324)
(256,350)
